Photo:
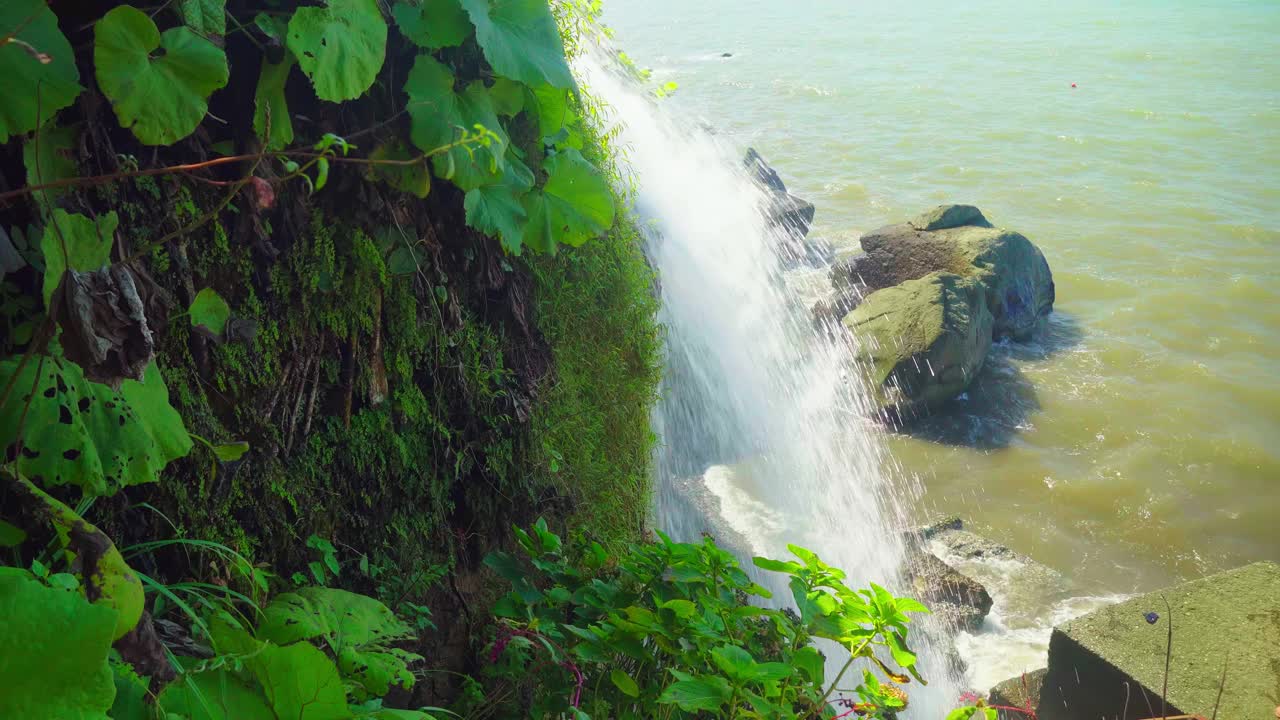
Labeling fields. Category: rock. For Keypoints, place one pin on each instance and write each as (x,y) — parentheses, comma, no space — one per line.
(763,173)
(955,597)
(957,239)
(1020,692)
(1113,658)
(791,214)
(926,339)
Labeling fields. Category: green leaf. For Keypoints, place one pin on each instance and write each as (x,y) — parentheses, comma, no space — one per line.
(782,566)
(898,647)
(508,97)
(703,693)
(623,682)
(341,46)
(83,433)
(230,452)
(29,83)
(414,178)
(207,17)
(520,40)
(270,105)
(682,608)
(433,106)
(213,695)
(11,535)
(210,311)
(75,242)
(734,662)
(131,693)
(910,605)
(56,161)
(300,682)
(554,111)
(811,663)
(158,83)
(574,206)
(432,24)
(54,647)
(322,173)
(475,165)
(357,628)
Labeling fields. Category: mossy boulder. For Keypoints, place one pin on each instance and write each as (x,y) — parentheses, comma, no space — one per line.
(962,601)
(1111,663)
(958,239)
(1021,692)
(925,340)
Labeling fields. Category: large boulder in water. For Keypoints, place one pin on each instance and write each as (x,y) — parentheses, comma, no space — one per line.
(792,216)
(958,239)
(962,601)
(924,338)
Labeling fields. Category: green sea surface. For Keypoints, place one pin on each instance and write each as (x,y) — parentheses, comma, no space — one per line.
(1138,441)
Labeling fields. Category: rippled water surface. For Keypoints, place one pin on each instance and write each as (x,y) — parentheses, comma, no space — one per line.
(1138,441)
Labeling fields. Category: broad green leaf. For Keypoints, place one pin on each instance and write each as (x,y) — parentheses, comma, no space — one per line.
(507,567)
(207,17)
(341,46)
(574,206)
(270,108)
(475,165)
(75,242)
(131,693)
(508,97)
(300,682)
(520,40)
(84,433)
(209,311)
(782,566)
(11,535)
(770,672)
(53,651)
(414,178)
(214,695)
(357,628)
(811,663)
(158,83)
(681,607)
(433,106)
(496,209)
(554,110)
(703,693)
(734,662)
(230,452)
(432,24)
(910,605)
(56,161)
(623,682)
(31,85)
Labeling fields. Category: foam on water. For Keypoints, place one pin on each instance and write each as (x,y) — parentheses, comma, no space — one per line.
(749,381)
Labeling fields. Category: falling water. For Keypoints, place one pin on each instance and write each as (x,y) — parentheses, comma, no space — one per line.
(763,437)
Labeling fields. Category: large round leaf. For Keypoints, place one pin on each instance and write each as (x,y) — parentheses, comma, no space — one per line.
(438,116)
(213,695)
(28,81)
(432,24)
(496,209)
(433,106)
(574,206)
(474,165)
(53,651)
(158,83)
(341,46)
(84,433)
(520,40)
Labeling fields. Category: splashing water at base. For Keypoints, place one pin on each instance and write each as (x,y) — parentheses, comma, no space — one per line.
(751,387)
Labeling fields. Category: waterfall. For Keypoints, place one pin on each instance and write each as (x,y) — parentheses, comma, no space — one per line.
(759,409)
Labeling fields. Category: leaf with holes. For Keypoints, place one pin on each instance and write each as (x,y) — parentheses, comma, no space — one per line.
(520,40)
(207,17)
(271,119)
(84,433)
(496,209)
(574,206)
(55,645)
(209,311)
(341,46)
(158,83)
(72,241)
(31,84)
(358,629)
(432,24)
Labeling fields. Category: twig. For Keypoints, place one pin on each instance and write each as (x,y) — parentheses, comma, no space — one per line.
(1222,684)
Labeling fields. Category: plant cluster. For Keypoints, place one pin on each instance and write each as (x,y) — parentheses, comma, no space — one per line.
(668,629)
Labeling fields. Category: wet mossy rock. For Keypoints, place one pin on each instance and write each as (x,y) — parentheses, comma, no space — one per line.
(924,339)
(959,239)
(1105,661)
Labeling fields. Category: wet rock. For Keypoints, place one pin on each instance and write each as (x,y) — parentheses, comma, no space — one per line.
(1115,658)
(925,340)
(1019,692)
(955,597)
(791,215)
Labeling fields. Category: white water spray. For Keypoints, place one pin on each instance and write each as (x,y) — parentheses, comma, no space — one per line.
(759,409)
